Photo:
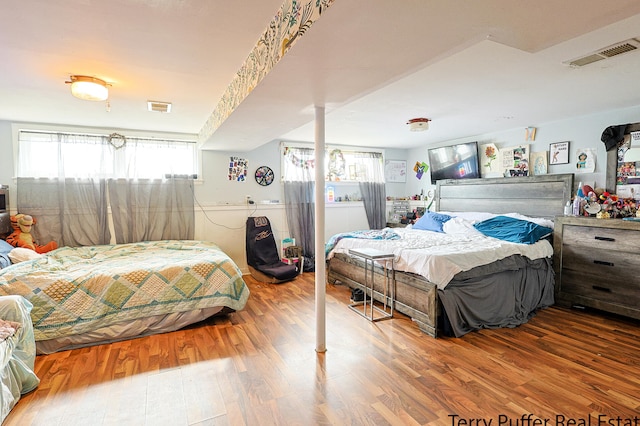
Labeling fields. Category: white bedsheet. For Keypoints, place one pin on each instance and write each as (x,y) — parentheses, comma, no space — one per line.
(439,256)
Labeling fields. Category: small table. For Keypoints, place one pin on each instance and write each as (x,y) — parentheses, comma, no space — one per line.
(370,256)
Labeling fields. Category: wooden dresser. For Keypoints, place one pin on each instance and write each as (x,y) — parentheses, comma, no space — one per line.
(597,264)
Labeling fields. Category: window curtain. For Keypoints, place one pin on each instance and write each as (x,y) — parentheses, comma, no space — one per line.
(299,164)
(70,211)
(374,192)
(152,209)
(46,154)
(64,180)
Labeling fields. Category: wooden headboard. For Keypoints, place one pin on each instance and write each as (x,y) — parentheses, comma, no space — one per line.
(536,196)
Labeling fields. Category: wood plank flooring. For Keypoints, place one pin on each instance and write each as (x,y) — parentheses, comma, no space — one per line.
(259,367)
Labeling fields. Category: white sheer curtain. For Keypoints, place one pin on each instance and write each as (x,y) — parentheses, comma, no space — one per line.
(298,172)
(56,155)
(62,182)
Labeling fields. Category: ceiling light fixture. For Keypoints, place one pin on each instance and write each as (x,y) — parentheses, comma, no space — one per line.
(88,88)
(418,124)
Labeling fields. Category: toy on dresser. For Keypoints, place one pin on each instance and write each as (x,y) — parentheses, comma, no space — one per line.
(21,235)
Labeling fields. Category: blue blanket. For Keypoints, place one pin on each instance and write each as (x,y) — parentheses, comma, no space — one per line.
(369,234)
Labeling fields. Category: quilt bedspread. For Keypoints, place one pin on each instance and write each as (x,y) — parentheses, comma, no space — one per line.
(79,289)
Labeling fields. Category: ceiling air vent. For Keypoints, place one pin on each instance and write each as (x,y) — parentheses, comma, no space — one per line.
(608,52)
(155,106)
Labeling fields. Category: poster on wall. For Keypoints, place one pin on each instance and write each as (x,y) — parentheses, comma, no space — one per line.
(515,160)
(538,163)
(395,170)
(238,169)
(489,155)
(585,160)
(559,153)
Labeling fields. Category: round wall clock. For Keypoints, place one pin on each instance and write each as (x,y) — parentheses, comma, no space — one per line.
(264,175)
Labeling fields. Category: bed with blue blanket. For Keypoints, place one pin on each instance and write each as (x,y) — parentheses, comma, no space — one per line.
(98,294)
(482,259)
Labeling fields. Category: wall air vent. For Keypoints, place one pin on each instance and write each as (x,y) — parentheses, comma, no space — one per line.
(156,106)
(608,52)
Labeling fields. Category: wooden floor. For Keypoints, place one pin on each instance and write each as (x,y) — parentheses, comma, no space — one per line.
(259,367)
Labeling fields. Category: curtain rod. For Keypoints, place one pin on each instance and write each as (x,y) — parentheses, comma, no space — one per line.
(53,132)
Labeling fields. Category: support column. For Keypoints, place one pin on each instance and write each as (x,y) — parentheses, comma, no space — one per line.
(320,266)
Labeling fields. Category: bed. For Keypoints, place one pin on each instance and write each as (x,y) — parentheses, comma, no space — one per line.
(457,285)
(98,294)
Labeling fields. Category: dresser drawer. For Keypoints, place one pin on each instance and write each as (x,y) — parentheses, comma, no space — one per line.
(601,263)
(598,238)
(612,290)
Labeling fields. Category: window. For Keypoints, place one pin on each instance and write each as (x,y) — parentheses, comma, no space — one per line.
(57,154)
(340,165)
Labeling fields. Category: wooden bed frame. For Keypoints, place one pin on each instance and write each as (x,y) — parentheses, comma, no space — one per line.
(535,196)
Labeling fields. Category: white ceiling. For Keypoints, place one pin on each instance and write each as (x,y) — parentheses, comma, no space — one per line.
(471,66)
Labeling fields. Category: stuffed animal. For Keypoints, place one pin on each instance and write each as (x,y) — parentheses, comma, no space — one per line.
(21,235)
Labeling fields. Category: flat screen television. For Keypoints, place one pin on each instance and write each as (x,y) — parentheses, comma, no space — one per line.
(460,161)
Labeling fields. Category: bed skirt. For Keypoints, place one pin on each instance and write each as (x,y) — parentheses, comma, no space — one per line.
(506,293)
(129,330)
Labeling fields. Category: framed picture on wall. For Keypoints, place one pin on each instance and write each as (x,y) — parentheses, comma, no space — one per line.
(559,153)
(395,170)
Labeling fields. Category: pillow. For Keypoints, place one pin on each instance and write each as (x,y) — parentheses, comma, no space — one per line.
(471,216)
(431,221)
(513,230)
(5,247)
(537,220)
(459,225)
(21,254)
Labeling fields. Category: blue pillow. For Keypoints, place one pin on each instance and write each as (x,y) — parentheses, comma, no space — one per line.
(513,230)
(431,221)
(5,247)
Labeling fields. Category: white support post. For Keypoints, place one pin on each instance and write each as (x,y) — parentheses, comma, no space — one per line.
(320,277)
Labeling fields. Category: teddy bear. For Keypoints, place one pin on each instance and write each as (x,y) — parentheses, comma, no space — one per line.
(21,235)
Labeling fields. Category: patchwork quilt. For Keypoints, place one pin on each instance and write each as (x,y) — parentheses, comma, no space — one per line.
(79,289)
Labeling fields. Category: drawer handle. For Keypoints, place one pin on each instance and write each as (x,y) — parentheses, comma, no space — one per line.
(597,287)
(604,238)
(602,262)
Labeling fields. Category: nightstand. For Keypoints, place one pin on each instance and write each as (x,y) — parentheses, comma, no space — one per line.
(597,264)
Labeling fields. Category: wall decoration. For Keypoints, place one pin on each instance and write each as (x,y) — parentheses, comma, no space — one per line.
(358,172)
(238,169)
(337,166)
(515,160)
(559,153)
(585,160)
(117,140)
(489,165)
(395,170)
(293,155)
(420,168)
(290,23)
(530,134)
(538,163)
(264,175)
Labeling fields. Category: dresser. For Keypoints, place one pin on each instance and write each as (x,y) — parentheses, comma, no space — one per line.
(597,264)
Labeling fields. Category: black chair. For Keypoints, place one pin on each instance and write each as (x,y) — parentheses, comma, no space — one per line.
(262,253)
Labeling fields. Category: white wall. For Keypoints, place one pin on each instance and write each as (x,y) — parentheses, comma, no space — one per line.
(581,132)
(221,211)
